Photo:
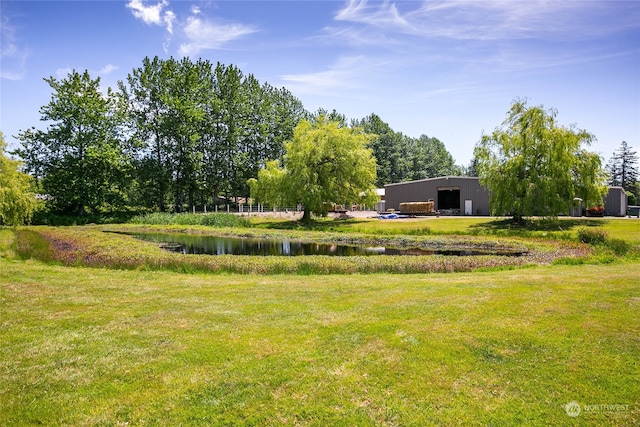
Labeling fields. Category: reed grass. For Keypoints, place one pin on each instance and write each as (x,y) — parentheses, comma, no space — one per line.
(208,220)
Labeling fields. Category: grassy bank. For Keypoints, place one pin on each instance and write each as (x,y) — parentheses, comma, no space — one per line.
(86,346)
(91,246)
(147,346)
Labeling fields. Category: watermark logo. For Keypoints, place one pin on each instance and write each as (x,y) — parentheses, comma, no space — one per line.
(573,409)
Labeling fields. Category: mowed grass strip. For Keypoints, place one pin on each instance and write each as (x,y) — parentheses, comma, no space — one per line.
(562,227)
(84,346)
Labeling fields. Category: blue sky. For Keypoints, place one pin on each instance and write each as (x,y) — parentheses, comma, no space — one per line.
(447,69)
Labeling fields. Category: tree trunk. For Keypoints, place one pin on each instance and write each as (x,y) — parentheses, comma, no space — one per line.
(306,216)
(518,220)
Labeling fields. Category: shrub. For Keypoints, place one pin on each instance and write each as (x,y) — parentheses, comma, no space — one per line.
(595,236)
(570,261)
(618,246)
(209,220)
(46,216)
(631,198)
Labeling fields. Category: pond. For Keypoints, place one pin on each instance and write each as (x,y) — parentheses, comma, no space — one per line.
(217,245)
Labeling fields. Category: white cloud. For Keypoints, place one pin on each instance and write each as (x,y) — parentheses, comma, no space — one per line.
(10,75)
(203,34)
(153,14)
(318,81)
(14,58)
(197,32)
(348,73)
(107,69)
(489,20)
(169,19)
(385,14)
(62,73)
(8,45)
(483,36)
(148,14)
(475,20)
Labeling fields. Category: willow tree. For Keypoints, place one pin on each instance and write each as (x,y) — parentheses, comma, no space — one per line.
(324,163)
(17,200)
(533,166)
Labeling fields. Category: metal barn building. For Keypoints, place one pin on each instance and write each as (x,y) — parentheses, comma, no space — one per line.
(454,195)
(463,195)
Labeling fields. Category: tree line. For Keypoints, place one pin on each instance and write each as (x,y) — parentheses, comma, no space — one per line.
(178,133)
(183,133)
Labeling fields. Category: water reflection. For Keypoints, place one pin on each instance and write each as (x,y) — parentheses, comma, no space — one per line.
(215,245)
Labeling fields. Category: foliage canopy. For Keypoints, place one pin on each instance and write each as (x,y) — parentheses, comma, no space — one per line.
(623,168)
(203,129)
(80,157)
(325,163)
(17,200)
(179,133)
(403,158)
(533,166)
(176,134)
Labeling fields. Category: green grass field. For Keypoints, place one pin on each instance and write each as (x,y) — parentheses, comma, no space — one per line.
(103,346)
(563,227)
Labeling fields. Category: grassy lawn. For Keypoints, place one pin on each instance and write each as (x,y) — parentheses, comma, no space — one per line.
(97,346)
(564,227)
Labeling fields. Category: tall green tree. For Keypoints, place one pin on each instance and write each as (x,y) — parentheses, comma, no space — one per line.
(17,199)
(471,169)
(623,169)
(188,89)
(430,159)
(403,158)
(533,166)
(204,130)
(146,115)
(268,119)
(323,115)
(390,149)
(169,103)
(79,158)
(324,163)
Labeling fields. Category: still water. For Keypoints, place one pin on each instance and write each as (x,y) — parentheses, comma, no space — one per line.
(216,245)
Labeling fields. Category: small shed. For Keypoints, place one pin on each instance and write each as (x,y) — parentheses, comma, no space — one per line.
(615,202)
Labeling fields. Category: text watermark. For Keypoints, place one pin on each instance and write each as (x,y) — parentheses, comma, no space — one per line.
(574,409)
